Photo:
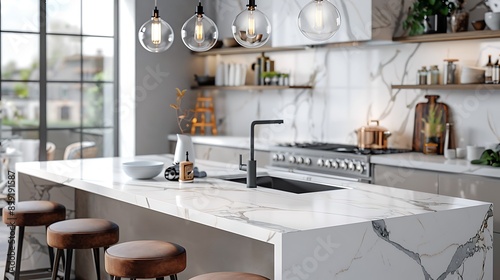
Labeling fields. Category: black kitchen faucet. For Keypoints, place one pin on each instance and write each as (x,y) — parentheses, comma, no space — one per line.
(251,167)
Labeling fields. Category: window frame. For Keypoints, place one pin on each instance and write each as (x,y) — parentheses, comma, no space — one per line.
(43,128)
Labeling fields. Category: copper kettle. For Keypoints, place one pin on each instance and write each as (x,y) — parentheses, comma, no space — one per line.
(372,136)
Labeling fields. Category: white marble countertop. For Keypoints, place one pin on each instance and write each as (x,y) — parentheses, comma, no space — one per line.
(435,163)
(262,214)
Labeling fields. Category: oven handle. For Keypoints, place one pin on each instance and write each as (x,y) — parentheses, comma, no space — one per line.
(308,173)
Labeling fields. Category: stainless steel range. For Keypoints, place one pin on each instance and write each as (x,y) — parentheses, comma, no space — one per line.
(336,160)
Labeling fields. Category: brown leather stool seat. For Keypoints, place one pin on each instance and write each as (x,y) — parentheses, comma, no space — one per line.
(26,214)
(33,213)
(81,234)
(145,259)
(229,276)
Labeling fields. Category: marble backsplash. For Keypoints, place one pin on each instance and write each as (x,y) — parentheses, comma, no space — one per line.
(352,85)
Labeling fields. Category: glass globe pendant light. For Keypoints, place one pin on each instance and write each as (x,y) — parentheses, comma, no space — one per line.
(251,28)
(199,33)
(319,20)
(156,35)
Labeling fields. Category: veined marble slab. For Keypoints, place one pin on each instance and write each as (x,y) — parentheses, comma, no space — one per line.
(359,232)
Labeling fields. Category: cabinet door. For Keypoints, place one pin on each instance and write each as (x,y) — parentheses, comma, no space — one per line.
(473,187)
(356,22)
(406,178)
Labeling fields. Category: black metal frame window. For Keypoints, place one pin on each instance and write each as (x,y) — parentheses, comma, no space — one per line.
(59,73)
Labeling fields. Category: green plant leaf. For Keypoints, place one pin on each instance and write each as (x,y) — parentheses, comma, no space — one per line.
(432,2)
(479,161)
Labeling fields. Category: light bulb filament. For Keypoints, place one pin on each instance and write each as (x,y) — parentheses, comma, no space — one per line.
(251,32)
(318,17)
(156,31)
(199,34)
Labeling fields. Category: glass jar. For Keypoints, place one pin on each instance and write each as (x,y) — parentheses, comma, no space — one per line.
(459,18)
(449,72)
(433,75)
(422,76)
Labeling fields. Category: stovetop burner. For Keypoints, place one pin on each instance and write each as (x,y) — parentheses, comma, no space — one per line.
(343,148)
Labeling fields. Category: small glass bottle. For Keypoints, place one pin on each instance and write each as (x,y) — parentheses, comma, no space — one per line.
(422,76)
(488,73)
(496,74)
(433,75)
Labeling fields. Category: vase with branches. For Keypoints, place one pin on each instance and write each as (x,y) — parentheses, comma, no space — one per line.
(184,116)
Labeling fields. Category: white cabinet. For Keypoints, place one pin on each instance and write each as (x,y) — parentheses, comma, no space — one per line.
(473,187)
(356,17)
(406,178)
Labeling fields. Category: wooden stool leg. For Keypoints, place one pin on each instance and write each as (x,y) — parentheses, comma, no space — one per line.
(19,251)
(67,267)
(95,252)
(160,278)
(55,266)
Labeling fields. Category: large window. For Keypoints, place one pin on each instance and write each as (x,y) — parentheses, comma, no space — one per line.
(59,73)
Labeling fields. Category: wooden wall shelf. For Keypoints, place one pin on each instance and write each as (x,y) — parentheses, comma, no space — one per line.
(450,87)
(249,88)
(468,35)
(242,50)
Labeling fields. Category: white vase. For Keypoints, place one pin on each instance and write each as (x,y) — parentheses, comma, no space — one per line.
(183,145)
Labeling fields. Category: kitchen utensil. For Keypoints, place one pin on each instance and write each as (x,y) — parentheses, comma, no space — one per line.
(450,154)
(474,152)
(479,24)
(472,75)
(142,169)
(204,80)
(372,136)
(436,123)
(461,152)
(492,20)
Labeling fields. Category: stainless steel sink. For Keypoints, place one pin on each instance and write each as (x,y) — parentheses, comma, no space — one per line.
(288,185)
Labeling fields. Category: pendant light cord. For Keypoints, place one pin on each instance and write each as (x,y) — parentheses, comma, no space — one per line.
(156,3)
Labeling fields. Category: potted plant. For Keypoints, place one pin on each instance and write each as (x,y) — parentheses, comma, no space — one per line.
(428,16)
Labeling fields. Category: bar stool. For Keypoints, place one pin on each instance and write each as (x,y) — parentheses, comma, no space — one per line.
(30,213)
(80,234)
(229,276)
(145,259)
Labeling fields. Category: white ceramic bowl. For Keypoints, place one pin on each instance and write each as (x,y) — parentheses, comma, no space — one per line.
(492,20)
(472,75)
(143,169)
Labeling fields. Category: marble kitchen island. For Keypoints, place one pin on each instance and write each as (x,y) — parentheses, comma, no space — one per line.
(359,232)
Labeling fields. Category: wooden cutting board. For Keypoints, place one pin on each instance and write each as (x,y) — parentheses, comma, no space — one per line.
(432,117)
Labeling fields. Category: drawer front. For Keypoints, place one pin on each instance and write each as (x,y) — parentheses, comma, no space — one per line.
(406,178)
